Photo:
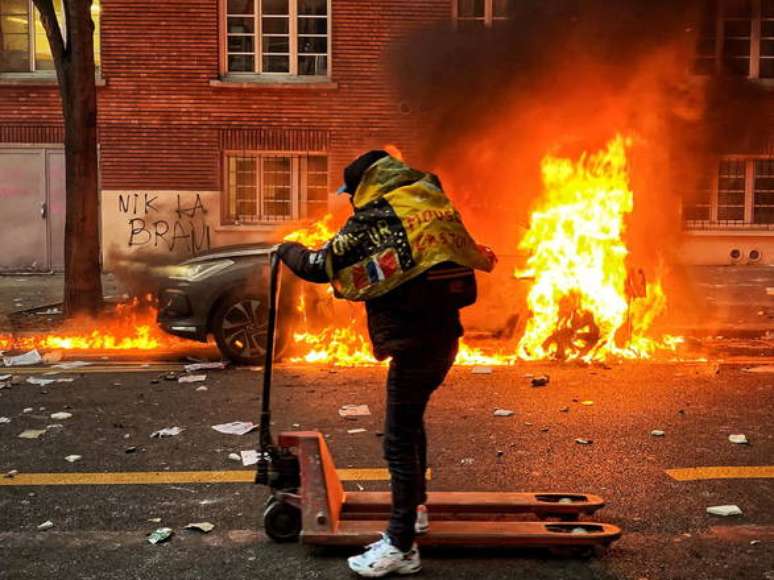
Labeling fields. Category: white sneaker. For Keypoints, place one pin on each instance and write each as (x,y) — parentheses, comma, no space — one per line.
(423,522)
(382,558)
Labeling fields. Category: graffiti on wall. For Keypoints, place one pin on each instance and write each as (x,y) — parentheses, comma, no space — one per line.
(152,223)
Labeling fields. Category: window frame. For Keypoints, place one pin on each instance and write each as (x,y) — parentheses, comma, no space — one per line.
(299,200)
(747,223)
(756,42)
(489,17)
(223,34)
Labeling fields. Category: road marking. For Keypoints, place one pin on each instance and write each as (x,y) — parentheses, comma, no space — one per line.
(731,472)
(169,477)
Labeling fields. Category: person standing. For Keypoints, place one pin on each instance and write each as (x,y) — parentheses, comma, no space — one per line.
(406,253)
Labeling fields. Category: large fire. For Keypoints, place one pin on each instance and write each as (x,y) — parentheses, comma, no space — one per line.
(130,326)
(585,302)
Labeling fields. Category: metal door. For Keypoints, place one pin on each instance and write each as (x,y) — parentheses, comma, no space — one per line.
(55,180)
(23,224)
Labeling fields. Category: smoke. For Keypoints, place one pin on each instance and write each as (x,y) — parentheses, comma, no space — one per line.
(559,77)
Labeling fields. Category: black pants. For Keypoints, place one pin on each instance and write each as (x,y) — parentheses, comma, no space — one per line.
(412,378)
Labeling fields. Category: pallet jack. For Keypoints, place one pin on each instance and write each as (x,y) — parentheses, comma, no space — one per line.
(308,501)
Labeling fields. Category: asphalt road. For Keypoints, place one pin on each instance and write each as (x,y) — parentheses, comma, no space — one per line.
(100,530)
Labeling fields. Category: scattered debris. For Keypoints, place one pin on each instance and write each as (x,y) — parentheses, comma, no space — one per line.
(130,449)
(354,431)
(31,433)
(204,527)
(65,380)
(170,376)
(47,525)
(11,474)
(23,360)
(5,377)
(545,429)
(73,364)
(724,510)
(235,427)
(579,530)
(154,520)
(166,432)
(73,458)
(204,366)
(587,403)
(739,439)
(296,425)
(160,535)
(481,370)
(466,461)
(201,389)
(564,410)
(249,457)
(503,413)
(754,542)
(541,381)
(584,441)
(27,410)
(40,382)
(5,420)
(192,378)
(61,416)
(354,411)
(657,433)
(235,457)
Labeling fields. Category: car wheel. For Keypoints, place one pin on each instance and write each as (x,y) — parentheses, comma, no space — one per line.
(240,328)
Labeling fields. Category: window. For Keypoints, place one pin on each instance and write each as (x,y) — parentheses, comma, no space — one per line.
(739,195)
(478,14)
(275,187)
(23,42)
(282,37)
(737,38)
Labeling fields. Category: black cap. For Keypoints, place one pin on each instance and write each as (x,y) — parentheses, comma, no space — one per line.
(353,174)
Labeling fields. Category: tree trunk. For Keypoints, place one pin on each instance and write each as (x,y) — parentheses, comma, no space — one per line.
(74,59)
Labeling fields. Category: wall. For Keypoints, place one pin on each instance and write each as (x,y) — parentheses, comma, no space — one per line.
(714,248)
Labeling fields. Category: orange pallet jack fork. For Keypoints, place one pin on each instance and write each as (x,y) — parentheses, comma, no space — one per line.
(308,501)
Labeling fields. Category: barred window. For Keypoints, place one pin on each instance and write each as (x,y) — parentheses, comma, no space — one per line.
(282,37)
(275,187)
(763,192)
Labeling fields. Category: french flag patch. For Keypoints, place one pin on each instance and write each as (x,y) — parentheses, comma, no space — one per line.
(376,269)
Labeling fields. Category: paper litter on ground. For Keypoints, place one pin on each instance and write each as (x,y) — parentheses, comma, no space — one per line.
(657,433)
(354,431)
(481,370)
(166,432)
(40,382)
(234,457)
(5,377)
(724,510)
(5,420)
(739,439)
(205,366)
(205,527)
(47,525)
(73,458)
(235,427)
(191,378)
(31,433)
(503,413)
(61,415)
(74,364)
(354,411)
(249,457)
(27,359)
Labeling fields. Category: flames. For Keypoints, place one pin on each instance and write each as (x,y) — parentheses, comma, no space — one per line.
(585,302)
(129,326)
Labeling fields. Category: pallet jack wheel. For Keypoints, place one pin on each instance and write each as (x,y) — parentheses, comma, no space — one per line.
(282,521)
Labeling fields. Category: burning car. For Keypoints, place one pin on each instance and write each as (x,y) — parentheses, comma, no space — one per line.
(223,293)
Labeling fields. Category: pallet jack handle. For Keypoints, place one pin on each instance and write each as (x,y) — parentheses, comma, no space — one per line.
(265,439)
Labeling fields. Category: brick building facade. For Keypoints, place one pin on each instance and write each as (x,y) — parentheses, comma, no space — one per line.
(222,121)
